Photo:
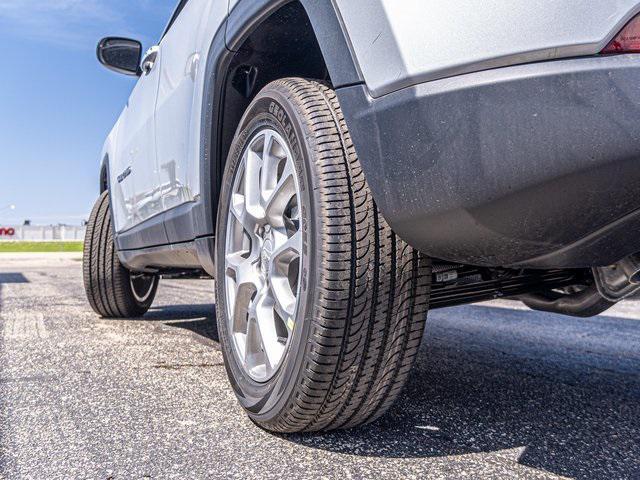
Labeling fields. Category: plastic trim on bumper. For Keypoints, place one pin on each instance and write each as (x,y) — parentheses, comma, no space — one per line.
(508,167)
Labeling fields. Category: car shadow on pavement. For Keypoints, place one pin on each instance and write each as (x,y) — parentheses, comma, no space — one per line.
(199,319)
(550,392)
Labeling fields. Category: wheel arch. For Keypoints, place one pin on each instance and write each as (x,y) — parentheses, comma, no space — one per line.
(238,65)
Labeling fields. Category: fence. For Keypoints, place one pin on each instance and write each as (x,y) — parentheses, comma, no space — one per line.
(51,233)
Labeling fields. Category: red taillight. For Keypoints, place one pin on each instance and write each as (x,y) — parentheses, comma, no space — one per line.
(628,40)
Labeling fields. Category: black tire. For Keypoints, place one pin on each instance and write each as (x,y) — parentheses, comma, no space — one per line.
(107,283)
(364,295)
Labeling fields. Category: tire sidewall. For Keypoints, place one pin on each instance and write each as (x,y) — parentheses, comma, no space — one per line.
(264,401)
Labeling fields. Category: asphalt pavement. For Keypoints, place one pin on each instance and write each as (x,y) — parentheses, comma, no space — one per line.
(499,392)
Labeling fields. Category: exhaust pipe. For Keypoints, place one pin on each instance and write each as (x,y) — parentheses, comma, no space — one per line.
(631,268)
(620,280)
(612,284)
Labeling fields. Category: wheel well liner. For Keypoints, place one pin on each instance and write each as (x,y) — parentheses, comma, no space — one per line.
(313,45)
(104,175)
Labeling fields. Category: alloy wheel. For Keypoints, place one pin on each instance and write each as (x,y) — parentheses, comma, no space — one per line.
(263,255)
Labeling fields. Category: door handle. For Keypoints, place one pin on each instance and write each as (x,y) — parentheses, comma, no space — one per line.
(149,60)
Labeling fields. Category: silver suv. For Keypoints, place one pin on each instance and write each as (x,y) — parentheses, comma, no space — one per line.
(339,166)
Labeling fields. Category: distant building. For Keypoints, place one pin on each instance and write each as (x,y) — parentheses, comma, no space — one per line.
(28,232)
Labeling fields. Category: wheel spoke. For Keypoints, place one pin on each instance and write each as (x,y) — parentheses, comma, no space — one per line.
(244,270)
(284,303)
(279,278)
(244,217)
(287,250)
(268,172)
(246,281)
(252,197)
(267,145)
(272,345)
(254,354)
(280,197)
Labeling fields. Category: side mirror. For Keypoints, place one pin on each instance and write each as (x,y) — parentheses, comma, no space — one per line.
(121,55)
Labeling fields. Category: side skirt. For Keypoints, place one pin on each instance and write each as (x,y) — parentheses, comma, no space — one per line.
(195,257)
(168,242)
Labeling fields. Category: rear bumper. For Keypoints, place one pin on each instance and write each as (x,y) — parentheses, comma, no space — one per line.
(535,165)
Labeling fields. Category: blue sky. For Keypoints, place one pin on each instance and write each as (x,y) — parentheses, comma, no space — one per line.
(57,104)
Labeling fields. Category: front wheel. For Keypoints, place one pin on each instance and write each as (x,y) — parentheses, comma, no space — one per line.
(320,306)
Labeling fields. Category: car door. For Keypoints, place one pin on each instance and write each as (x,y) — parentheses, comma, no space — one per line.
(183,48)
(134,174)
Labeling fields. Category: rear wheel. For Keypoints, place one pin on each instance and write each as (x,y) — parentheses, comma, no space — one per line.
(112,291)
(320,306)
